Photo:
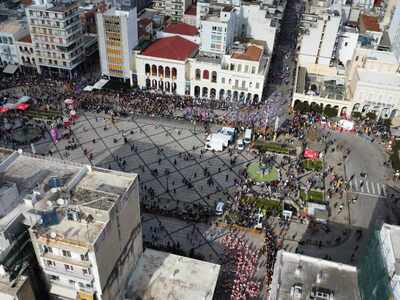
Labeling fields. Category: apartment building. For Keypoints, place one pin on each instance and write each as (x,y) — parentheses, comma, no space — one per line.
(57,36)
(175,9)
(117,36)
(10,32)
(299,276)
(84,223)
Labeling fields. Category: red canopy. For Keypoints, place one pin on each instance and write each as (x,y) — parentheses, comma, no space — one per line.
(22,106)
(311,154)
(3,109)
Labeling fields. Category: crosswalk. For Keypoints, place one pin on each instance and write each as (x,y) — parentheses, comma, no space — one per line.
(365,186)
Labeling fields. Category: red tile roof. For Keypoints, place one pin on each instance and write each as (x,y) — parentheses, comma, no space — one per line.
(174,47)
(252,53)
(181,28)
(192,11)
(370,23)
(26,39)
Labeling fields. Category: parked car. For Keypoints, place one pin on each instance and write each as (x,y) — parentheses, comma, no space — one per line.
(219,208)
(240,144)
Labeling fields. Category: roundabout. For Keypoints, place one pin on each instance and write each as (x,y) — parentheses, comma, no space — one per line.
(261,172)
(27,134)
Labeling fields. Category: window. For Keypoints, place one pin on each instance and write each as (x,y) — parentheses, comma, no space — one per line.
(50,263)
(253,69)
(66,253)
(54,277)
(246,68)
(85,257)
(257,85)
(71,282)
(243,84)
(236,83)
(356,58)
(239,68)
(47,249)
(81,285)
(223,80)
(69,268)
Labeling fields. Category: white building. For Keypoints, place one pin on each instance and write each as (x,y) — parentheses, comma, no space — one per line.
(118,36)
(172,8)
(394,31)
(299,276)
(319,41)
(10,33)
(238,75)
(84,224)
(57,36)
(163,65)
(258,23)
(347,43)
(217,29)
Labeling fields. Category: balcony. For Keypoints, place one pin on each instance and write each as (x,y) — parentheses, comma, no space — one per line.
(59,269)
(67,260)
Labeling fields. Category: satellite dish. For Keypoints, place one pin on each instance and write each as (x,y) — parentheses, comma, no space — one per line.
(53,235)
(60,201)
(49,203)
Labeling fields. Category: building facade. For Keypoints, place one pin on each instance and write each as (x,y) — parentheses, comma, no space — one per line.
(10,33)
(117,37)
(57,36)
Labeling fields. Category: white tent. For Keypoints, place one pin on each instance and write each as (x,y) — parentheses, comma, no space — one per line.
(99,84)
(10,69)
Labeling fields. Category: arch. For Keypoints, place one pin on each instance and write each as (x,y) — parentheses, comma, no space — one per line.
(167,72)
(206,74)
(214,76)
(167,85)
(248,97)
(229,95)
(161,85)
(154,70)
(235,95)
(213,93)
(204,92)
(221,94)
(197,91)
(255,98)
(174,87)
(241,96)
(154,84)
(147,69)
(365,108)
(385,113)
(356,107)
(161,71)
(344,112)
(197,74)
(148,83)
(174,73)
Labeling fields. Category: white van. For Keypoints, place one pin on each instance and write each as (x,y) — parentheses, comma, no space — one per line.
(247,136)
(240,144)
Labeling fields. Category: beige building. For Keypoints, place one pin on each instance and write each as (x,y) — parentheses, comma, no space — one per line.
(57,36)
(84,224)
(173,8)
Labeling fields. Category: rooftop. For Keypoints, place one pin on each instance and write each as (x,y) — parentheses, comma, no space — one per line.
(72,200)
(252,53)
(26,39)
(302,276)
(383,56)
(12,26)
(379,78)
(181,28)
(370,23)
(161,275)
(174,47)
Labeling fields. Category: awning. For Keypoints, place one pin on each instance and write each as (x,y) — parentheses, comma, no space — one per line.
(63,291)
(3,109)
(22,106)
(88,88)
(10,69)
(23,99)
(99,84)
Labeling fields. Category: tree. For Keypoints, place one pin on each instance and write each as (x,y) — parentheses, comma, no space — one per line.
(371,115)
(387,122)
(330,112)
(316,108)
(356,115)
